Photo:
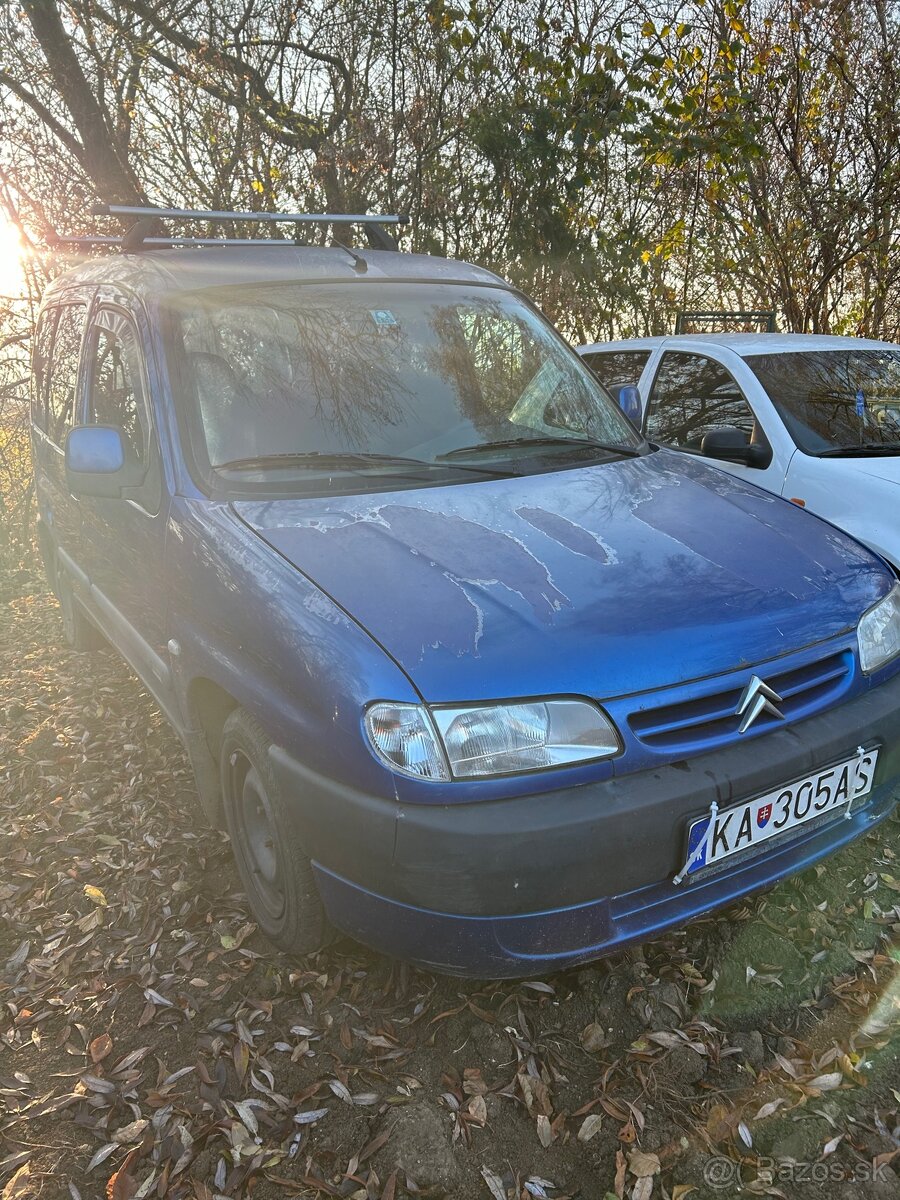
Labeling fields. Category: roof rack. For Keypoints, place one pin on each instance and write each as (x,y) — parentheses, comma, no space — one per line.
(144,233)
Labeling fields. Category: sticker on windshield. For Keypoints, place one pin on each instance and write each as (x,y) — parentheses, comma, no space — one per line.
(860,403)
(382,317)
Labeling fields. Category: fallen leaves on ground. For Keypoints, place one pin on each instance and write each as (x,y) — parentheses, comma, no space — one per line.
(154,1045)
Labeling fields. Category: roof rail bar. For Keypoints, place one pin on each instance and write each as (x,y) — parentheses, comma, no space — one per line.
(57,239)
(373,224)
(211,214)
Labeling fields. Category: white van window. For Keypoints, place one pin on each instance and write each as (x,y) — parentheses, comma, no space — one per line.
(691,395)
(617,368)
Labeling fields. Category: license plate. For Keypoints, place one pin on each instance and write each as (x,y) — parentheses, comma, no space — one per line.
(749,825)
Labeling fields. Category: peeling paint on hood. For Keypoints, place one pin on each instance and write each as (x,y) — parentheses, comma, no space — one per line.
(601,580)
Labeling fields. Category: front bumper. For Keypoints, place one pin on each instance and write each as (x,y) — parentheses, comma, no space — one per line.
(541,882)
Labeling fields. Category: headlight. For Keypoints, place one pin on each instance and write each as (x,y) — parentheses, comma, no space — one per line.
(879,632)
(502,738)
(492,739)
(404,737)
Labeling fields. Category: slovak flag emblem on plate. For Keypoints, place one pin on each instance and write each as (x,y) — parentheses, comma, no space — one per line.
(763,814)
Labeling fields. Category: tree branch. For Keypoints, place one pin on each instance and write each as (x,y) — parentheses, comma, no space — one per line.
(47,118)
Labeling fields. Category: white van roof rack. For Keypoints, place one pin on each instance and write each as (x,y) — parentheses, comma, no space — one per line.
(144,233)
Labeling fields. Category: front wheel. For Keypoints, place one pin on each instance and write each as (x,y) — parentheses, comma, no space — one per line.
(271,861)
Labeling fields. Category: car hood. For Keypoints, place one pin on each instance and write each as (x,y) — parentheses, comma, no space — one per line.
(604,580)
(887,468)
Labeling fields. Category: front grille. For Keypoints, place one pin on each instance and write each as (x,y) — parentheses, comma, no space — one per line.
(710,720)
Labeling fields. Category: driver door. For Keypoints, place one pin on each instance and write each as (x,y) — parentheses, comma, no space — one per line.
(124,538)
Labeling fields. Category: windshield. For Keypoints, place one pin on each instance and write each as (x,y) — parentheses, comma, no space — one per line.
(835,399)
(412,380)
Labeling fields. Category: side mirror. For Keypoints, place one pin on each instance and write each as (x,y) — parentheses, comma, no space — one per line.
(732,445)
(97,463)
(630,404)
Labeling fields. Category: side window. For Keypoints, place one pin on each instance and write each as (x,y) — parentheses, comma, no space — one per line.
(617,368)
(116,394)
(63,371)
(690,396)
(40,362)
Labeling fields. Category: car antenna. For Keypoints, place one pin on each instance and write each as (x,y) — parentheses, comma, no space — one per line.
(359,263)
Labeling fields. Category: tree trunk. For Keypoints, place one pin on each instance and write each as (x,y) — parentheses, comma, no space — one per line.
(105,162)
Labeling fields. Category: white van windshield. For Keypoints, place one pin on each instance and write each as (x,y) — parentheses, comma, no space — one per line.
(835,402)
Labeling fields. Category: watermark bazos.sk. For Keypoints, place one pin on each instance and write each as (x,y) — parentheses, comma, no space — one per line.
(724,1174)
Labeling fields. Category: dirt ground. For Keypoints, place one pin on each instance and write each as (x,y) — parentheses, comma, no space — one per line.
(153,1045)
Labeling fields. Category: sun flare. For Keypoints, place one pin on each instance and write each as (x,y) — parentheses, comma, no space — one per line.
(12,252)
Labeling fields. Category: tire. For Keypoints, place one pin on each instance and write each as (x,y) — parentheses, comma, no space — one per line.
(274,869)
(78,630)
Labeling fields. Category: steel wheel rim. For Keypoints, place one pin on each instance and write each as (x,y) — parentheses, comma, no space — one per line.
(259,846)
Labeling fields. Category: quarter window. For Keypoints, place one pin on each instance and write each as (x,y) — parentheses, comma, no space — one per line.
(617,368)
(63,371)
(692,395)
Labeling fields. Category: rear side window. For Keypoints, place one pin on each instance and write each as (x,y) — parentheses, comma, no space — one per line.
(63,372)
(40,363)
(691,395)
(617,368)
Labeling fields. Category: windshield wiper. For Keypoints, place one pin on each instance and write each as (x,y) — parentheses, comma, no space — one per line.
(339,458)
(508,443)
(861,451)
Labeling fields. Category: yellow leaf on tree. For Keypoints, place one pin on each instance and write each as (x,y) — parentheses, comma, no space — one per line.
(96,894)
(258,186)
